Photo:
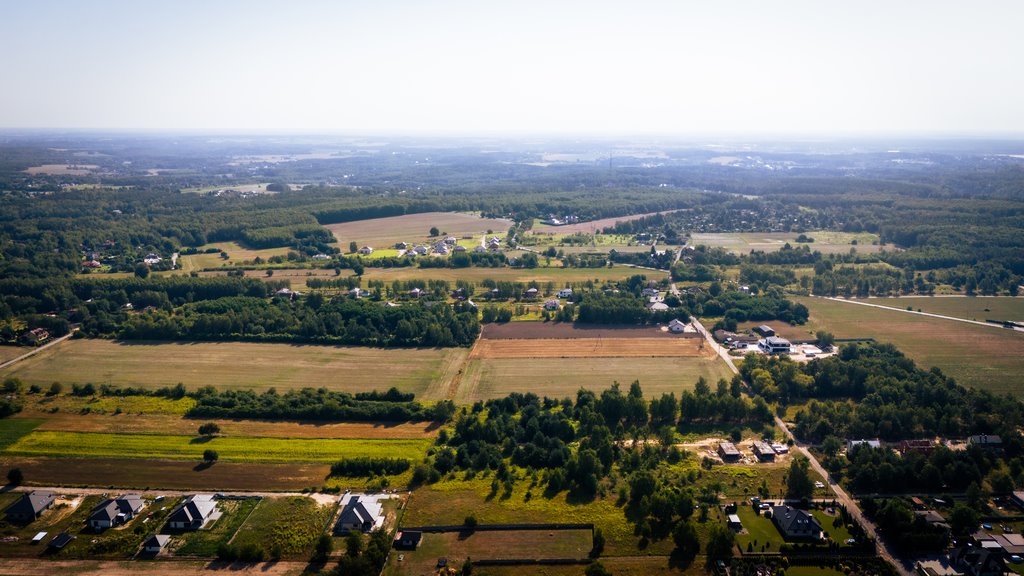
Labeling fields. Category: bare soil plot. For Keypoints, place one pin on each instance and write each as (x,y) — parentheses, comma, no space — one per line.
(825,241)
(489,545)
(233,365)
(978,356)
(548,330)
(483,379)
(169,474)
(598,225)
(170,424)
(589,348)
(980,308)
(385,232)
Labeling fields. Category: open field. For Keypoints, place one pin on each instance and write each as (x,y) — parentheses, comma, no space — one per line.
(567,330)
(487,545)
(140,474)
(11,352)
(597,225)
(560,377)
(153,446)
(542,275)
(589,348)
(169,424)
(289,525)
(205,542)
(978,356)
(236,256)
(825,241)
(47,566)
(62,169)
(978,308)
(385,232)
(234,365)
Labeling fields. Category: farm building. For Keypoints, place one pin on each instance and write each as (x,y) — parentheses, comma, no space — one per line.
(728,452)
(359,512)
(765,330)
(990,441)
(780,448)
(796,524)
(114,512)
(155,543)
(531,293)
(193,513)
(366,250)
(31,506)
(774,345)
(407,539)
(677,326)
(977,561)
(763,451)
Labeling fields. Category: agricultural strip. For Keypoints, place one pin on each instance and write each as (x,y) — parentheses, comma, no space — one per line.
(100,445)
(540,275)
(589,348)
(978,356)
(140,474)
(232,365)
(825,241)
(479,545)
(979,308)
(13,429)
(385,232)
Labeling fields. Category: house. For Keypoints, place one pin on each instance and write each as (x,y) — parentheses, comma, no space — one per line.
(763,451)
(551,305)
(728,452)
(194,513)
(401,245)
(91,264)
(974,561)
(795,524)
(677,326)
(114,512)
(933,518)
(531,293)
(479,249)
(321,256)
(774,345)
(780,448)
(359,512)
(989,441)
(1018,499)
(61,540)
(36,336)
(286,293)
(922,446)
(415,292)
(31,506)
(421,250)
(852,444)
(734,522)
(359,293)
(155,543)
(459,248)
(650,292)
(366,250)
(764,330)
(152,259)
(451,240)
(407,539)
(565,293)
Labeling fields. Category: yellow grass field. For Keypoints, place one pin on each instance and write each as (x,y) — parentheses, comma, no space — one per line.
(236,256)
(540,275)
(238,365)
(11,352)
(385,232)
(590,348)
(825,241)
(978,356)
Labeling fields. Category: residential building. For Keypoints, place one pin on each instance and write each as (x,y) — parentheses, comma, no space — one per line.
(154,544)
(194,513)
(359,513)
(974,561)
(114,512)
(990,441)
(774,345)
(31,506)
(796,524)
(873,444)
(763,451)
(407,539)
(677,326)
(551,305)
(728,452)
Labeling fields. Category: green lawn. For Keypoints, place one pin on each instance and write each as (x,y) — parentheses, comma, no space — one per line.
(205,542)
(761,534)
(104,445)
(286,527)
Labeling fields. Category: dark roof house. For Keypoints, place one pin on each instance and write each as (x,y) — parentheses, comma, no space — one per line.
(156,543)
(112,512)
(796,524)
(193,513)
(31,505)
(977,561)
(408,539)
(728,452)
(359,513)
(61,540)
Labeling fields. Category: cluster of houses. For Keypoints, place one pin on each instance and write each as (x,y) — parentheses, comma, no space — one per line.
(793,524)
(928,445)
(442,247)
(193,513)
(761,450)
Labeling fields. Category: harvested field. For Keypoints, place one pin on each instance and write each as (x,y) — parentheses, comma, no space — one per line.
(12,352)
(589,348)
(62,169)
(169,424)
(488,545)
(825,241)
(168,474)
(979,356)
(48,566)
(385,232)
(540,275)
(598,225)
(559,330)
(483,379)
(237,254)
(235,365)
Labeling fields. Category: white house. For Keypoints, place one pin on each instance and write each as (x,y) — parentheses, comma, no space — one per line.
(677,326)
(565,293)
(366,250)
(774,345)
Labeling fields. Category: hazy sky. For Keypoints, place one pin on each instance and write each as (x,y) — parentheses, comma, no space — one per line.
(680,67)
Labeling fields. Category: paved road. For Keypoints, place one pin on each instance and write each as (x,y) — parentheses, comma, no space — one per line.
(36,350)
(859,303)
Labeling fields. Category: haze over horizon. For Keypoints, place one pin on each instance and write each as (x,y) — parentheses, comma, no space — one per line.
(738,67)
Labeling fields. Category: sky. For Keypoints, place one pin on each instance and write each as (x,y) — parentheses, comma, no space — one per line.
(675,67)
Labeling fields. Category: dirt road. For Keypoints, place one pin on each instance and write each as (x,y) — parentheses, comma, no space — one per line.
(859,303)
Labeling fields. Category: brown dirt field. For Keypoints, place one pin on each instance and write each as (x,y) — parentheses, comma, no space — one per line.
(385,232)
(168,474)
(12,352)
(597,225)
(47,567)
(491,545)
(170,424)
(559,330)
(589,348)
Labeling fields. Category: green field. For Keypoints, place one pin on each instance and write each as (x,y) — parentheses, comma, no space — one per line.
(237,254)
(205,542)
(825,241)
(553,274)
(980,308)
(288,527)
(101,445)
(561,377)
(978,356)
(13,429)
(236,365)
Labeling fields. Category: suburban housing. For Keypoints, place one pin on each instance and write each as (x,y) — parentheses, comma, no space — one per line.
(31,505)
(359,512)
(113,512)
(795,524)
(193,513)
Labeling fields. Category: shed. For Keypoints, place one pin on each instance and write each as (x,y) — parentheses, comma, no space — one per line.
(61,540)
(156,543)
(408,539)
(734,522)
(765,330)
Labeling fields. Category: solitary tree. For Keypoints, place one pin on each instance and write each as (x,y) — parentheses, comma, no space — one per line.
(352,246)
(434,231)
(210,456)
(209,429)
(798,482)
(15,476)
(353,544)
(141,270)
(323,549)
